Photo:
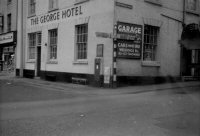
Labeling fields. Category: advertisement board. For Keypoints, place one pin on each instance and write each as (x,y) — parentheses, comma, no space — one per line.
(128,49)
(129,40)
(7,37)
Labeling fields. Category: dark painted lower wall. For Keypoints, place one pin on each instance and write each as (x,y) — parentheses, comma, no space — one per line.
(17,72)
(98,81)
(138,80)
(26,73)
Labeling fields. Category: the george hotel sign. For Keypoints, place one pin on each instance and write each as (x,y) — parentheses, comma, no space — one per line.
(55,17)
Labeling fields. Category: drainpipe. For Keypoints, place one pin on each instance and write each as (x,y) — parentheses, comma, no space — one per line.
(15,47)
(184,2)
(181,54)
(114,63)
(20,48)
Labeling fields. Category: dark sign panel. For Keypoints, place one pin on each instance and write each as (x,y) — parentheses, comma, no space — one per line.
(7,38)
(99,50)
(129,40)
(128,49)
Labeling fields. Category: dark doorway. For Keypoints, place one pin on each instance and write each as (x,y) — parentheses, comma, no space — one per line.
(38,60)
(190,62)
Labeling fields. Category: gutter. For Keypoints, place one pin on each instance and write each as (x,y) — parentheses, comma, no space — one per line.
(183,23)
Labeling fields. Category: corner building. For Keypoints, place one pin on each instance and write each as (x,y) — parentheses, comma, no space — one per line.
(108,42)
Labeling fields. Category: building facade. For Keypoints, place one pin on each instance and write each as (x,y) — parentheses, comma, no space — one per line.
(8,29)
(100,42)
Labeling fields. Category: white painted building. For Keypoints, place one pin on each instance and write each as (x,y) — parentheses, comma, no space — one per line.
(110,41)
(8,28)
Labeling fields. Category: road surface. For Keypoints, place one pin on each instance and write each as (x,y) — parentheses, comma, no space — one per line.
(28,110)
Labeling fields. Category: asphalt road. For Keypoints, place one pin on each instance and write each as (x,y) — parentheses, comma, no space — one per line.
(27,110)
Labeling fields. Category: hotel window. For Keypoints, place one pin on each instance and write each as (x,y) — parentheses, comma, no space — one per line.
(150,42)
(39,38)
(81,41)
(9,2)
(32,45)
(53,35)
(191,5)
(9,22)
(53,4)
(1,24)
(32,4)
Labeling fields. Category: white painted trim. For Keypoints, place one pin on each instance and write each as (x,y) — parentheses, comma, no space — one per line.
(152,22)
(151,63)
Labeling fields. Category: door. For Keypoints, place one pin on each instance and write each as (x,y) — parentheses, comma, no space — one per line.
(38,60)
(195,65)
(97,70)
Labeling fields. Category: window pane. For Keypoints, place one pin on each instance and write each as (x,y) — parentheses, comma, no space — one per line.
(150,42)
(191,4)
(32,44)
(81,42)
(52,4)
(39,38)
(53,44)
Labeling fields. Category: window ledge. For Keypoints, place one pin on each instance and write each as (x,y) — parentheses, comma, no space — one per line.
(151,63)
(52,62)
(84,62)
(80,1)
(155,2)
(192,12)
(31,61)
(52,10)
(32,15)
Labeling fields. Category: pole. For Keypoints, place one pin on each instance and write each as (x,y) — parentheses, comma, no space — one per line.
(181,54)
(184,3)
(20,49)
(114,65)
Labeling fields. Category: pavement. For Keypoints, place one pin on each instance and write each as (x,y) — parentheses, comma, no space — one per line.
(64,86)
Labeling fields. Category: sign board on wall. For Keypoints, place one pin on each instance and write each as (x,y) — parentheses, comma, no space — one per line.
(129,40)
(7,38)
(55,17)
(107,73)
(128,49)
(99,50)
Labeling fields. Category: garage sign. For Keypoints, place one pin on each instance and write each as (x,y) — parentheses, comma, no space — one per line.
(129,40)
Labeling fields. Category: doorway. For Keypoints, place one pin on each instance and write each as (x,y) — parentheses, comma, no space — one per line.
(191,63)
(38,61)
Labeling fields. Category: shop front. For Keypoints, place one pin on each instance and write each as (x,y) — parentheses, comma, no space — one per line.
(7,50)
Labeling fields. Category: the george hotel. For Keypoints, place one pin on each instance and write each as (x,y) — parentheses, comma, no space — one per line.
(108,42)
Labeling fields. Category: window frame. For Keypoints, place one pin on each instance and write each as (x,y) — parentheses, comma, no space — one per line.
(152,36)
(189,10)
(53,7)
(9,22)
(36,43)
(2,23)
(32,46)
(81,46)
(39,38)
(9,2)
(32,7)
(53,55)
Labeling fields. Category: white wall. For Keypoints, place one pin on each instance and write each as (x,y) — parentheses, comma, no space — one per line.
(168,49)
(99,21)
